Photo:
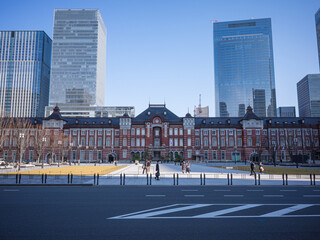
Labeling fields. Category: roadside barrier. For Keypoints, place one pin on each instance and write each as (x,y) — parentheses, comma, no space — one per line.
(98,179)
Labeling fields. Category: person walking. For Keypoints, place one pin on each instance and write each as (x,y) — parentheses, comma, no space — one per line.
(183,166)
(188,167)
(157,171)
(261,169)
(144,166)
(252,168)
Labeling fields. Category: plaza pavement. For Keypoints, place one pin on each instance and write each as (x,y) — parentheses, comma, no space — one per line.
(170,174)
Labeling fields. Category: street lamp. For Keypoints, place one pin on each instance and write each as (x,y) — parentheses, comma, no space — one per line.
(71,145)
(44,139)
(59,145)
(21,136)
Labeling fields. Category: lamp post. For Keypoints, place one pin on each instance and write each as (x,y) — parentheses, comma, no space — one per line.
(44,139)
(71,145)
(87,147)
(79,154)
(21,136)
(59,145)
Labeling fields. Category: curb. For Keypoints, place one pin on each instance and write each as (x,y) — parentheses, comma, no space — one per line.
(46,185)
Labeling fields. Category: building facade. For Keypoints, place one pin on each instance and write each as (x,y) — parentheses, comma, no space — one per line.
(317,18)
(157,133)
(78,58)
(286,112)
(308,96)
(244,68)
(25,61)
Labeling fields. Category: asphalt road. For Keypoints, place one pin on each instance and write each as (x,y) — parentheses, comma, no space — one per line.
(154,212)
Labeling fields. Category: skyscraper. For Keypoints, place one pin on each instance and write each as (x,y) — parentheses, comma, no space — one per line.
(308,96)
(317,16)
(286,112)
(244,70)
(25,58)
(78,58)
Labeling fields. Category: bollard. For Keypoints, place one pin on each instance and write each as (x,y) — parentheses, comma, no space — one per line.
(228,179)
(314,179)
(204,179)
(282,178)
(177,178)
(98,179)
(286,179)
(255,179)
(42,176)
(150,177)
(259,179)
(200,178)
(147,179)
(310,179)
(68,178)
(94,179)
(174,179)
(124,179)
(120,178)
(231,179)
(19,178)
(45,178)
(16,178)
(71,178)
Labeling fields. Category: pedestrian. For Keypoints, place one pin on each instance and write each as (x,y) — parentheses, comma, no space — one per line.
(252,168)
(261,169)
(183,166)
(157,171)
(148,166)
(144,166)
(188,167)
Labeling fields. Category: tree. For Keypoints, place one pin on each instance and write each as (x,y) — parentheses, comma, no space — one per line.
(40,143)
(4,125)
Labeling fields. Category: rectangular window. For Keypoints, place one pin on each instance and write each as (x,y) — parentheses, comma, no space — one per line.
(222,132)
(214,155)
(205,132)
(239,142)
(125,132)
(281,132)
(197,142)
(189,131)
(91,142)
(265,132)
(124,142)
(180,131)
(91,132)
(170,142)
(143,142)
(124,153)
(74,132)
(133,140)
(249,132)
(170,131)
(214,142)
(258,141)
(308,142)
(205,155)
(230,132)
(99,142)
(231,142)
(31,142)
(249,141)
(282,142)
(223,142)
(31,155)
(100,132)
(138,131)
(66,132)
(176,131)
(273,132)
(290,132)
(223,155)
(181,142)
(116,142)
(83,132)
(189,153)
(143,131)
(196,132)
(99,156)
(214,132)
(157,132)
(189,142)
(133,131)
(108,132)
(258,132)
(299,132)
(176,142)
(108,142)
(83,142)
(138,142)
(117,132)
(205,142)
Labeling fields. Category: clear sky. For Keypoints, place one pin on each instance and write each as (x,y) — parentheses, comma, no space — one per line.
(162,50)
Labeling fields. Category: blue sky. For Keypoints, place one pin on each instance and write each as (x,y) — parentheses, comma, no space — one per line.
(162,50)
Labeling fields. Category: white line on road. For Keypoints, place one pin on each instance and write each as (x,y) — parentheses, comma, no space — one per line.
(255,190)
(11,190)
(222,190)
(286,210)
(311,195)
(189,190)
(316,190)
(225,211)
(288,190)
(194,195)
(155,195)
(233,195)
(272,195)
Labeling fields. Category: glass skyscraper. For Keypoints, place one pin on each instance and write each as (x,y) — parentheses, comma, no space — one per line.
(309,96)
(244,70)
(25,58)
(317,16)
(78,58)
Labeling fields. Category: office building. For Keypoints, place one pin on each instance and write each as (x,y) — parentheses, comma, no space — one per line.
(25,60)
(78,58)
(286,112)
(317,17)
(308,96)
(244,69)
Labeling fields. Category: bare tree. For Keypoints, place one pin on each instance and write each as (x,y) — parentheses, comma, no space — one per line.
(40,143)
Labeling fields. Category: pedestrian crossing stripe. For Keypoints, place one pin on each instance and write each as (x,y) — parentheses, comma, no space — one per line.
(160,212)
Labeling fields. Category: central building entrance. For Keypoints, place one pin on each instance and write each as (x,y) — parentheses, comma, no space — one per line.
(156,155)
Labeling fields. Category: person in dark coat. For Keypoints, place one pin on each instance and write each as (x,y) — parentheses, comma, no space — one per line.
(157,171)
(252,168)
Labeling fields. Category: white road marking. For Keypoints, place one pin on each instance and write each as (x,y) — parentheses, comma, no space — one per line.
(255,190)
(316,190)
(194,195)
(272,195)
(286,210)
(311,195)
(171,210)
(11,190)
(189,190)
(225,211)
(233,195)
(291,190)
(222,190)
(155,195)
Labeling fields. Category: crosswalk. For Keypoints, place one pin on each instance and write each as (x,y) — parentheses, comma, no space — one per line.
(201,211)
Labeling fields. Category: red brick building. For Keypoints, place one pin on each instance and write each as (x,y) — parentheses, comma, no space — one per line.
(162,135)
